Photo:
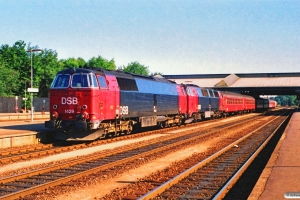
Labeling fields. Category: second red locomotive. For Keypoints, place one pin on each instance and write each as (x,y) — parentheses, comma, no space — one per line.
(86,104)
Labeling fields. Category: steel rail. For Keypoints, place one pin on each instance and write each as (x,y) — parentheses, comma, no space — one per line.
(153,193)
(100,168)
(221,194)
(43,150)
(7,152)
(116,151)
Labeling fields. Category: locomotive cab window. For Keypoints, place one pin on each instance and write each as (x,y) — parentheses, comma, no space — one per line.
(102,81)
(205,93)
(61,81)
(92,81)
(84,81)
(216,93)
(211,94)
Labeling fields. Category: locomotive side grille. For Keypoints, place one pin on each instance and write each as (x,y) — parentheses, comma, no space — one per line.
(127,84)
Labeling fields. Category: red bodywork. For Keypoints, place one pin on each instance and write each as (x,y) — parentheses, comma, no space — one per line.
(232,102)
(272,104)
(108,102)
(249,103)
(95,103)
(182,108)
(192,100)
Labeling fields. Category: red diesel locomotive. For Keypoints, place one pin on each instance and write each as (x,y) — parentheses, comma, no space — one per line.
(86,104)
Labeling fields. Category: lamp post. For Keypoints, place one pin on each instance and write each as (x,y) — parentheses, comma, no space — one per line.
(25,96)
(16,107)
(31,81)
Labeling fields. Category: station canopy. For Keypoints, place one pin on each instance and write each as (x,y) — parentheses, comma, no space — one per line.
(254,84)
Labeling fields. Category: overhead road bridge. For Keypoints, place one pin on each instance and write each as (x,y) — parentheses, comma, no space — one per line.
(253,84)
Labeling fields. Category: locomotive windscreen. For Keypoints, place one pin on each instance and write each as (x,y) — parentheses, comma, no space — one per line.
(84,80)
(61,81)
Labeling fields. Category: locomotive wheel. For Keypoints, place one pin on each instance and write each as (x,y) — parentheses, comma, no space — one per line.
(128,131)
(161,125)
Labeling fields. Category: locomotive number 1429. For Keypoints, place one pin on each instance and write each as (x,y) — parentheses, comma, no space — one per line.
(69,111)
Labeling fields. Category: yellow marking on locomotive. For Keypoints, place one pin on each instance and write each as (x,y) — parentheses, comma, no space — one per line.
(111,107)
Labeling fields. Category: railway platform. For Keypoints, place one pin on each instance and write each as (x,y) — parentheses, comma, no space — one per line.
(16,129)
(281,177)
(23,116)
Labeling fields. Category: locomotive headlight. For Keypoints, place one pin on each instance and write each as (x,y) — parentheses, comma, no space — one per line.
(54,106)
(86,115)
(54,115)
(84,107)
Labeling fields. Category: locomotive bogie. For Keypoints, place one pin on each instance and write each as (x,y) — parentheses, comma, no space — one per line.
(119,127)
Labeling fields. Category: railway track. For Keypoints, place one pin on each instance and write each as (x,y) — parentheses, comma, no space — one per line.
(41,150)
(213,177)
(21,185)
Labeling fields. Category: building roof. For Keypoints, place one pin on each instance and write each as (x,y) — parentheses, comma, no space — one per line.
(258,83)
(205,82)
(267,82)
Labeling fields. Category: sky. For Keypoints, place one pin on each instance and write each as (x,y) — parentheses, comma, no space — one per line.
(169,36)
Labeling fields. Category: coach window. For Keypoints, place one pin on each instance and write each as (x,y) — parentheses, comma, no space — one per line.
(102,81)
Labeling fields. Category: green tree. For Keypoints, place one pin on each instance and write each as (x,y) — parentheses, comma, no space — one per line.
(14,64)
(136,68)
(8,83)
(73,62)
(46,65)
(100,62)
(278,100)
(287,100)
(156,73)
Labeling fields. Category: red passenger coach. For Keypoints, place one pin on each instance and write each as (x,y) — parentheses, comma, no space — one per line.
(231,103)
(272,104)
(249,103)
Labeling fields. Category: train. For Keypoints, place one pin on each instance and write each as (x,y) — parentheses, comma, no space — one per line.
(264,104)
(87,104)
